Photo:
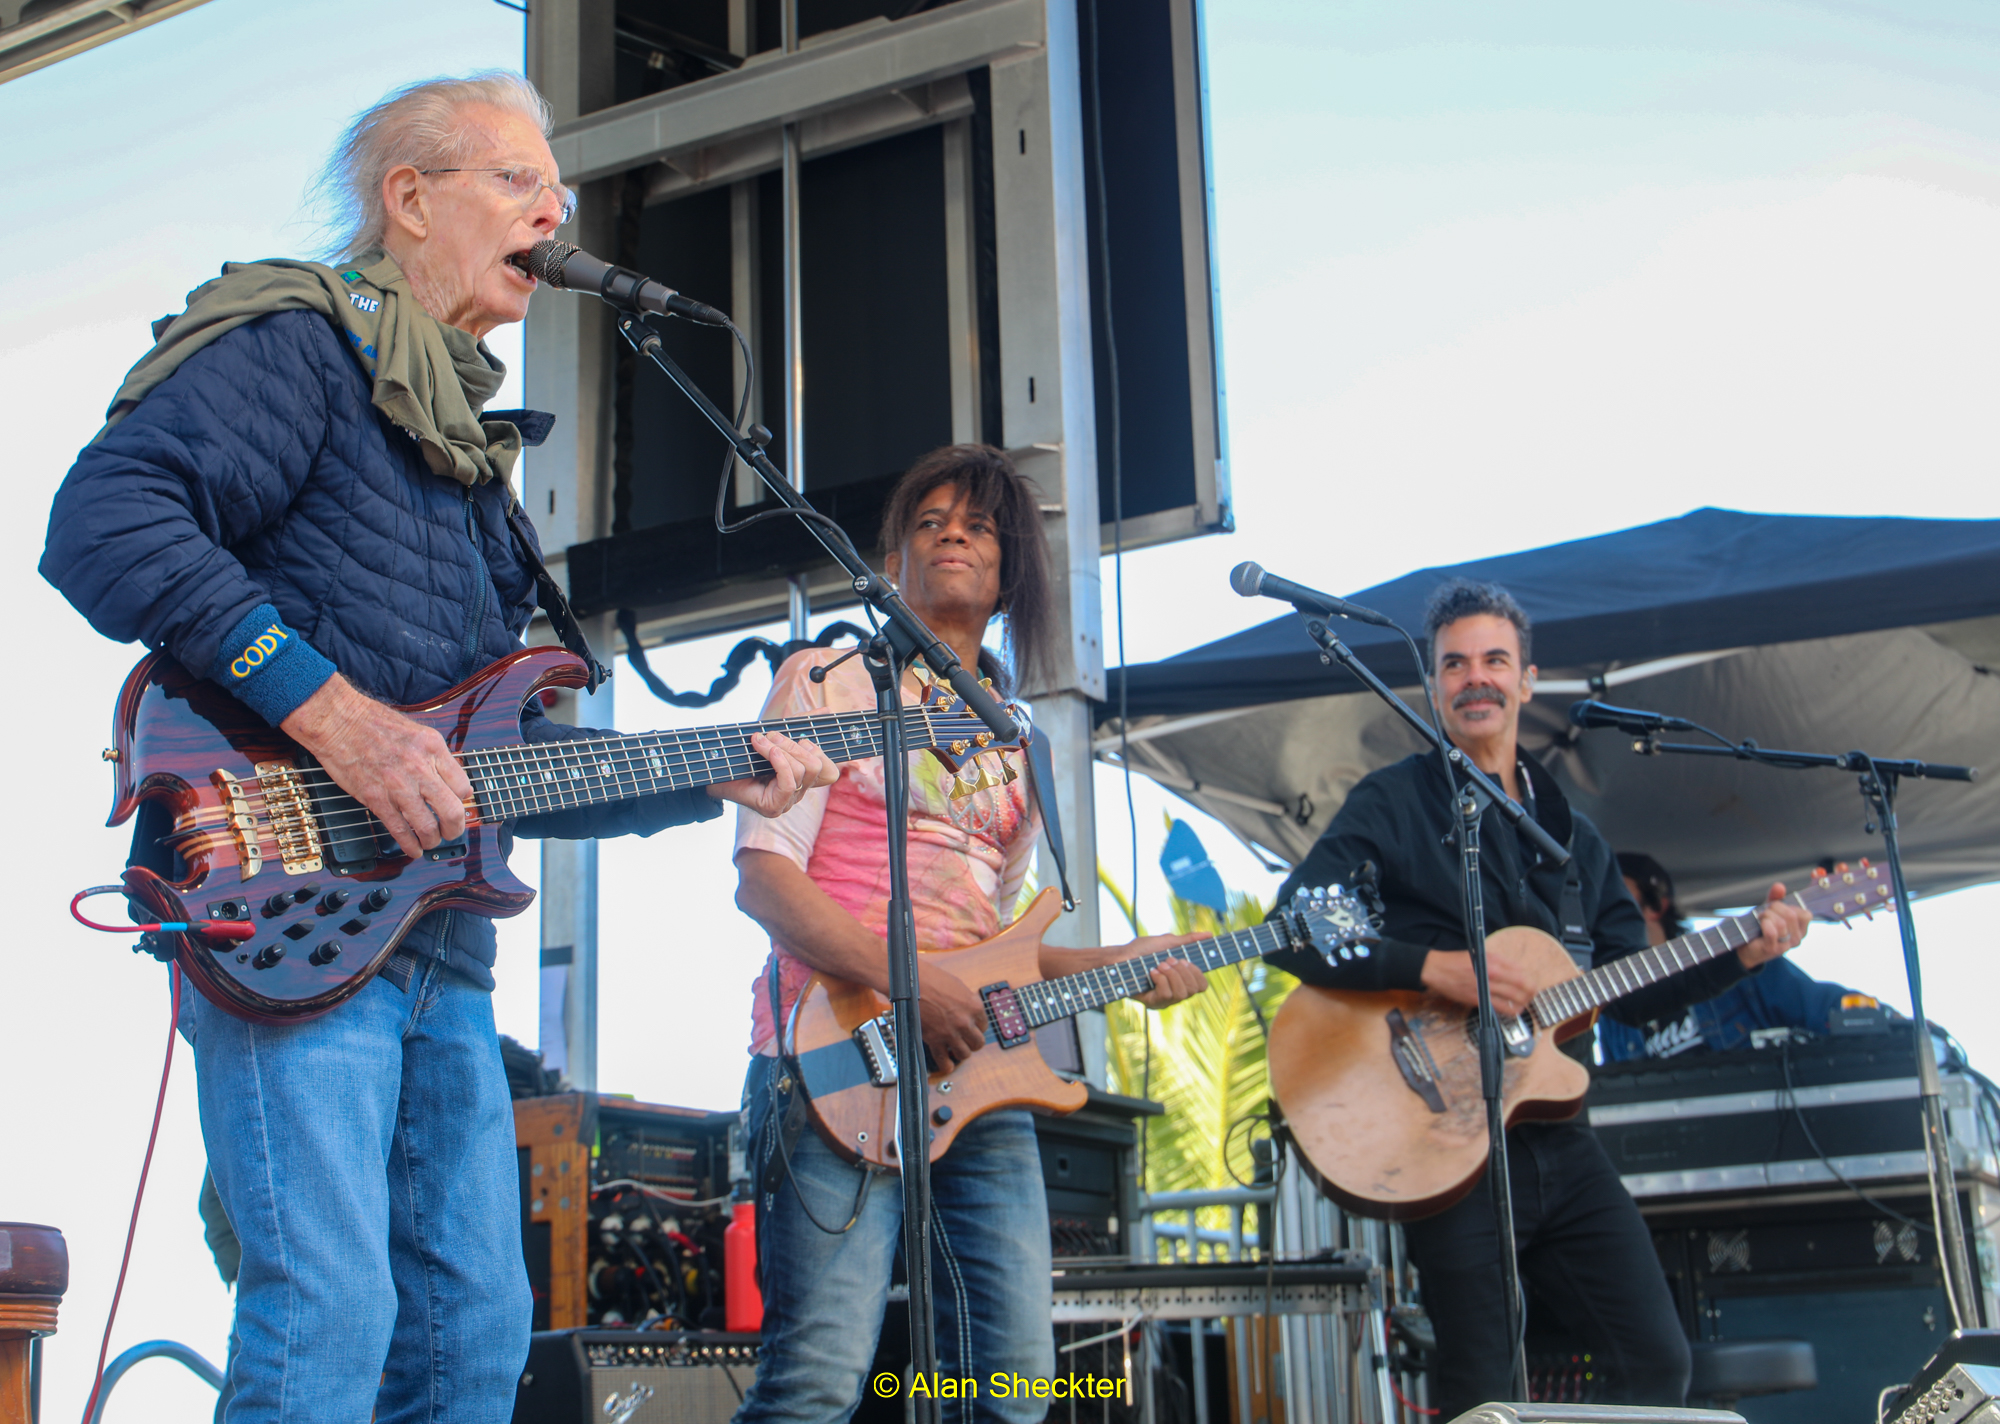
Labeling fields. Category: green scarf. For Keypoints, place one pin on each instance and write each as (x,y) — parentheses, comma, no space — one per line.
(430,379)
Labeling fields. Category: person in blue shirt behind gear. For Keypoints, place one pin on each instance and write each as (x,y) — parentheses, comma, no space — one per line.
(1783,996)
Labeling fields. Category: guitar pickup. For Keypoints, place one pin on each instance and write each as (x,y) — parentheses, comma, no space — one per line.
(1003,1008)
(877,1041)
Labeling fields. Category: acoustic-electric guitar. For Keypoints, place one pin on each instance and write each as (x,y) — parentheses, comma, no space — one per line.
(269,839)
(844,1038)
(1380,1091)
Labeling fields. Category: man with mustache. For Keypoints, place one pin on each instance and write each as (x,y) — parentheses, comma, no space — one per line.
(1585,1252)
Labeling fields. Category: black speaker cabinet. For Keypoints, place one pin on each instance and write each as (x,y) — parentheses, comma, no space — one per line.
(634,1377)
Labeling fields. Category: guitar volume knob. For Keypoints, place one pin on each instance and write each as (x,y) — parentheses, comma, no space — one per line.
(332,900)
(269,955)
(375,899)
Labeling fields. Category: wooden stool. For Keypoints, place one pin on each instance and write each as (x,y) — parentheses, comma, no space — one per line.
(34,1273)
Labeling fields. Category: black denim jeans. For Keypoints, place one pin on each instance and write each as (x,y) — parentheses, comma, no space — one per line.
(1584,1251)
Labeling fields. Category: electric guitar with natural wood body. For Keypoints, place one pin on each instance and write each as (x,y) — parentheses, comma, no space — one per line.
(269,839)
(1380,1091)
(844,1040)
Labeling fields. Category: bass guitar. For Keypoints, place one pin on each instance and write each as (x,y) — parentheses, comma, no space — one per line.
(1380,1091)
(268,838)
(844,1039)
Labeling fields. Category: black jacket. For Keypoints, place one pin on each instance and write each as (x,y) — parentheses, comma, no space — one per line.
(1398,818)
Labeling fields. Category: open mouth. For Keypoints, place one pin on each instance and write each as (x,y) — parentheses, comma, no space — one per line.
(519,262)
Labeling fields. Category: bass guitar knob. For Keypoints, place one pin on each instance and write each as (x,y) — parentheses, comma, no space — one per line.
(268,956)
(325,954)
(375,899)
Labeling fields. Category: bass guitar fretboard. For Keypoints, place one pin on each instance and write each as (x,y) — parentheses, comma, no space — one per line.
(559,776)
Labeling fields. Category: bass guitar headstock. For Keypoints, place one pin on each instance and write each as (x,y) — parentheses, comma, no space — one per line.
(1335,921)
(959,740)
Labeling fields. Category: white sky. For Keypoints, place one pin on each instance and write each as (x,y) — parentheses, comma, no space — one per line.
(1493,277)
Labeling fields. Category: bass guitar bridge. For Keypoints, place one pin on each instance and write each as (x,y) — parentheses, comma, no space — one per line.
(289,807)
(877,1041)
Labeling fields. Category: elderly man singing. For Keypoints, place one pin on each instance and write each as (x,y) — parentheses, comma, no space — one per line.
(306,448)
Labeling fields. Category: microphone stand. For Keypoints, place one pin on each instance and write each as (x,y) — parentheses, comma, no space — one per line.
(1469,803)
(1879,779)
(902,640)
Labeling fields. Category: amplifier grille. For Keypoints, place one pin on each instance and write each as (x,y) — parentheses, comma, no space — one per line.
(679,1393)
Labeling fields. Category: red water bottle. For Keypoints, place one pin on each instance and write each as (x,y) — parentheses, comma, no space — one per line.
(743,1303)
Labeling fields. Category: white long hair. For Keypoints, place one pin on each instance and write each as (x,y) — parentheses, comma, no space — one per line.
(422,125)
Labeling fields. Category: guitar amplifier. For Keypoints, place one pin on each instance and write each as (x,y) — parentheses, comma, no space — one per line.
(1757,1236)
(634,1377)
(1761,1118)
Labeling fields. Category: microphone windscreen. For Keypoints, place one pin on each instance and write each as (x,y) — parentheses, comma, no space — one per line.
(548,258)
(1247,579)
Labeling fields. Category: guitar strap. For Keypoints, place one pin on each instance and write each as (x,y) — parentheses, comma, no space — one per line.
(1575,925)
(787,1118)
(549,594)
(1041,773)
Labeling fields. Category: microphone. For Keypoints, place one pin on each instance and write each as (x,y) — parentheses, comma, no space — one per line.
(566,266)
(1251,581)
(1625,719)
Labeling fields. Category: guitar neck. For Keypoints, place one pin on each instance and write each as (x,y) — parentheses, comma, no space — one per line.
(1559,1003)
(1051,999)
(539,777)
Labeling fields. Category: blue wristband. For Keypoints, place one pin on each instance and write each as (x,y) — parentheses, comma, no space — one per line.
(269,667)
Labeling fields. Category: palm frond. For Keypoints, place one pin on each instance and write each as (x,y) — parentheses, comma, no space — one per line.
(1208,1057)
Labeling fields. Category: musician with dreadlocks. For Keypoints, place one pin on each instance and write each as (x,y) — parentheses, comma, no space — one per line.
(964,542)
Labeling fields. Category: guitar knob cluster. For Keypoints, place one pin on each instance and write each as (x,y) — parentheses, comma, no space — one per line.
(279,903)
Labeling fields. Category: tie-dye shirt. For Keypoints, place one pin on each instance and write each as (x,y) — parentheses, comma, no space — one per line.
(968,860)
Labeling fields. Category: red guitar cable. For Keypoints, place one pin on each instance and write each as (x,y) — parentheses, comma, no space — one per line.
(222,929)
(1406,1402)
(159,1106)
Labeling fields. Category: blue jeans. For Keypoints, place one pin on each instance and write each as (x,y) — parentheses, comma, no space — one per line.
(824,1294)
(366,1159)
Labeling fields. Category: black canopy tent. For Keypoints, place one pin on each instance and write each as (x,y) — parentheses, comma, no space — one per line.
(1809,633)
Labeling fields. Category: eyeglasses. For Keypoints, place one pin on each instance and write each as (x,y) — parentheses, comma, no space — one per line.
(525,184)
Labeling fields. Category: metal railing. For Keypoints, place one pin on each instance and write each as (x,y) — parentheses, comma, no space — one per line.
(1327,1374)
(1185,1239)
